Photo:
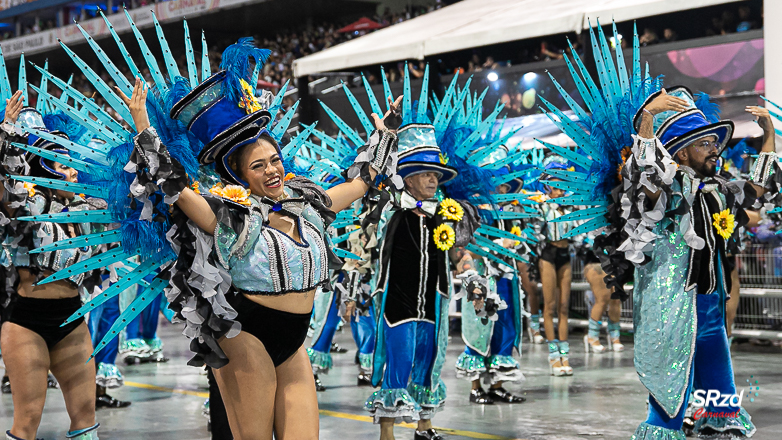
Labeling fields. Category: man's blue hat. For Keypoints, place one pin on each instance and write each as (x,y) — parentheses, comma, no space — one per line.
(419,153)
(679,129)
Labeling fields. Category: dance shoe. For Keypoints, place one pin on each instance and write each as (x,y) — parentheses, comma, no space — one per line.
(318,384)
(337,349)
(615,345)
(593,345)
(106,401)
(480,397)
(364,380)
(429,434)
(502,395)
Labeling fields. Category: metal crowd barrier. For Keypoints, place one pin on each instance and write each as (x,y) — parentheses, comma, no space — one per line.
(759,315)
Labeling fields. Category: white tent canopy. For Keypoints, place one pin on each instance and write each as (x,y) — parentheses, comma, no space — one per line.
(474,23)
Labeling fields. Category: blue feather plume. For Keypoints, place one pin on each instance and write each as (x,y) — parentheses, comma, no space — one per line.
(236,63)
(710,109)
(64,123)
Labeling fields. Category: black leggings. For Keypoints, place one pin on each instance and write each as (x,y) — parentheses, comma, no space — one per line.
(44,316)
(282,333)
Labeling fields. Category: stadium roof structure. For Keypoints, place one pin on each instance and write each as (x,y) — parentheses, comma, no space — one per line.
(475,23)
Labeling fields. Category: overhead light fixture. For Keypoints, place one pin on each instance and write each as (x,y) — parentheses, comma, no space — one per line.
(529,76)
(492,76)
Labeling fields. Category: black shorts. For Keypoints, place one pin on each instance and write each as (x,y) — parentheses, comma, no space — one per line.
(559,257)
(281,333)
(44,316)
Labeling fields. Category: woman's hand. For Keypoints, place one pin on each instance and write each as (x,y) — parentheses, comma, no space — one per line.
(380,124)
(13,106)
(137,104)
(665,102)
(478,303)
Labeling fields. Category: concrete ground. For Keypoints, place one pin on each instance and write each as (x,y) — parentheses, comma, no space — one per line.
(602,400)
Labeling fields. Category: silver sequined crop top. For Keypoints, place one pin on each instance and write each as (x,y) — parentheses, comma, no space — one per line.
(265,261)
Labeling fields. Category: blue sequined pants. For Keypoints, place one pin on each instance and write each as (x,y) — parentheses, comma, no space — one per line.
(363,330)
(145,324)
(323,343)
(410,349)
(711,369)
(101,320)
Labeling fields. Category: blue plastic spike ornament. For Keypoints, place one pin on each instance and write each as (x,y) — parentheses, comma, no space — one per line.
(154,68)
(484,152)
(591,225)
(125,55)
(277,101)
(457,106)
(135,308)
(485,242)
(580,113)
(423,99)
(192,70)
(81,241)
(482,130)
(206,69)
(580,86)
(508,215)
(569,154)
(323,152)
(87,104)
(342,253)
(407,99)
(94,216)
(343,127)
(95,127)
(497,233)
(577,188)
(119,78)
(23,80)
(64,159)
(342,223)
(282,126)
(386,90)
(340,238)
(568,176)
(581,214)
(483,253)
(332,143)
(58,184)
(296,142)
(499,180)
(100,85)
(126,280)
(362,116)
(624,81)
(40,103)
(92,263)
(5,83)
(510,197)
(582,200)
(373,104)
(254,78)
(90,153)
(443,105)
(570,128)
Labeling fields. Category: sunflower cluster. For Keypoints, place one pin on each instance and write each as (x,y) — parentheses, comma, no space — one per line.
(30,187)
(444,237)
(451,210)
(249,102)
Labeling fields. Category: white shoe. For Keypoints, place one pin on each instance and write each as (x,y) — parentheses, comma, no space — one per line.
(558,371)
(615,345)
(534,337)
(593,346)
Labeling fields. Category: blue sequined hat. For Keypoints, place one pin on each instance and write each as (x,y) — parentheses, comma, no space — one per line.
(222,111)
(419,153)
(679,129)
(498,154)
(31,118)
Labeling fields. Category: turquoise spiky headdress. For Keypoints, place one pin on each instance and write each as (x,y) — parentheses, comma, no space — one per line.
(602,130)
(100,163)
(465,139)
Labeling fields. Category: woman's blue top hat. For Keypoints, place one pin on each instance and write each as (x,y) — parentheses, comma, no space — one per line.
(419,153)
(222,111)
(679,129)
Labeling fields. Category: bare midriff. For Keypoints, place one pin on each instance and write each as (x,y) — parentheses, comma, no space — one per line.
(54,290)
(560,244)
(290,302)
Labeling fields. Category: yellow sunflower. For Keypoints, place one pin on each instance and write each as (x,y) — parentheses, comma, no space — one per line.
(450,209)
(444,237)
(249,102)
(237,194)
(30,187)
(724,223)
(516,231)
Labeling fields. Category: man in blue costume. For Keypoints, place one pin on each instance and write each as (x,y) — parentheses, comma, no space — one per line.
(412,287)
(680,216)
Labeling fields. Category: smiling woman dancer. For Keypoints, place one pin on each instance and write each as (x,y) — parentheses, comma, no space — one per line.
(33,342)
(266,232)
